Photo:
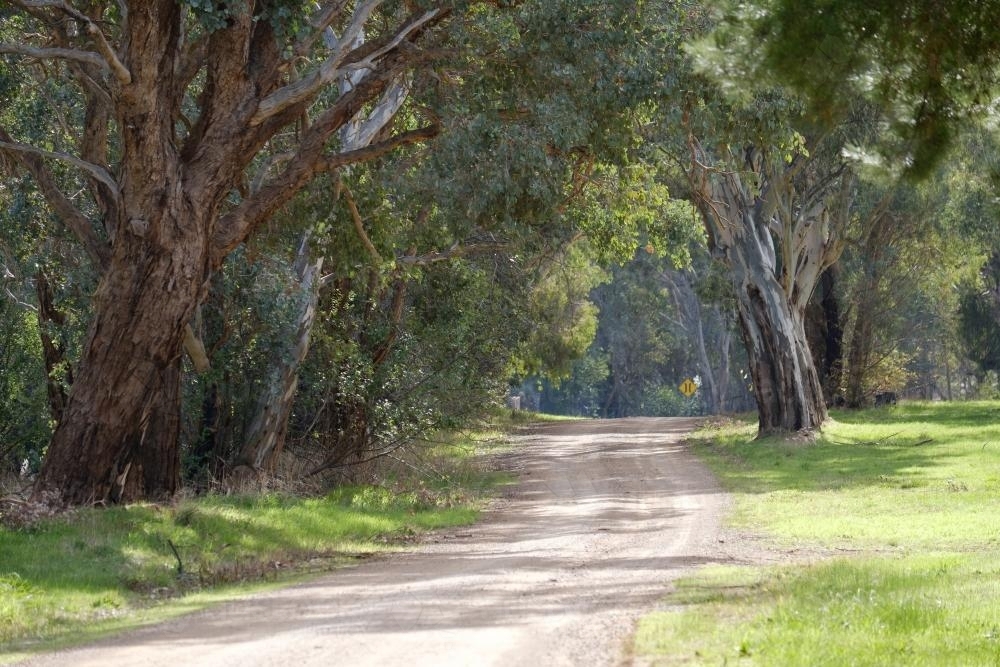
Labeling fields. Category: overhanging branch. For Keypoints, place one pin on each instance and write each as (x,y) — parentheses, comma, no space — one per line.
(77,223)
(457,250)
(308,86)
(97,171)
(49,53)
(320,22)
(235,226)
(334,66)
(100,41)
(379,149)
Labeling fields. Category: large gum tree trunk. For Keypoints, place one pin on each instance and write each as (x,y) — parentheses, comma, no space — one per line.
(786,384)
(118,436)
(776,243)
(154,456)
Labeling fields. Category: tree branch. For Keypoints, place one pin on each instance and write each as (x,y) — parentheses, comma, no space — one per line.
(376,150)
(458,249)
(236,225)
(45,53)
(308,86)
(320,21)
(195,349)
(97,171)
(117,67)
(77,223)
(100,41)
(273,160)
(359,225)
(361,132)
(304,88)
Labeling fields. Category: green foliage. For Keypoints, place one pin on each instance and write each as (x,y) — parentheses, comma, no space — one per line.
(287,17)
(584,392)
(644,347)
(543,126)
(563,320)
(374,385)
(39,107)
(24,417)
(978,321)
(244,323)
(923,64)
(540,103)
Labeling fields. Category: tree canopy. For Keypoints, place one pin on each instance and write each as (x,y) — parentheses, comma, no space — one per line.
(248,237)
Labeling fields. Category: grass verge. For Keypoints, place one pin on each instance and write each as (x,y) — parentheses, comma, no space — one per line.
(71,579)
(911,493)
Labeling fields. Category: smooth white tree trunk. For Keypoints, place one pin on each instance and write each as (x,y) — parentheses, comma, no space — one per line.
(776,239)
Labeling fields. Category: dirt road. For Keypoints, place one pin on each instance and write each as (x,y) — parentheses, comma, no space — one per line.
(607,513)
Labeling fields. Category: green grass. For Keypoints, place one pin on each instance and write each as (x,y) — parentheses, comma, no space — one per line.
(912,492)
(94,571)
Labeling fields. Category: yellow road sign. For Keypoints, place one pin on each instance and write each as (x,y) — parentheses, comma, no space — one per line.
(688,387)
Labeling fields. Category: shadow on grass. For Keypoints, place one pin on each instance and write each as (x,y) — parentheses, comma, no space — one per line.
(971,414)
(880,447)
(93,565)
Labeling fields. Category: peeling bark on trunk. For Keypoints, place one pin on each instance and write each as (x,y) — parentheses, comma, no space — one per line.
(776,242)
(786,386)
(154,460)
(127,375)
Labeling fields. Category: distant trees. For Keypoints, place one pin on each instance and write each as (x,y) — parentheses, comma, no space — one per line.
(658,325)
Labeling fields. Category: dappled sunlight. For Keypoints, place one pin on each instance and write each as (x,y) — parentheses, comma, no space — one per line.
(915,475)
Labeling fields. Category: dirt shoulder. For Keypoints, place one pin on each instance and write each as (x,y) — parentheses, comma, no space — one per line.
(606,514)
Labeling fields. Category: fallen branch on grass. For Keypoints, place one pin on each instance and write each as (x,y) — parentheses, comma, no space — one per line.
(180,564)
(869,443)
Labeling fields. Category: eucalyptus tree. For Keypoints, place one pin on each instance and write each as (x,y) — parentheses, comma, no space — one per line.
(886,264)
(776,207)
(538,131)
(185,106)
(978,324)
(972,179)
(193,123)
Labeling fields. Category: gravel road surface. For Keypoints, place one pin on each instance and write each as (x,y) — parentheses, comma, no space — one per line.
(607,513)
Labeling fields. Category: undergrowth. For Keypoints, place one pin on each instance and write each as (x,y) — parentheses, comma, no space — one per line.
(69,578)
